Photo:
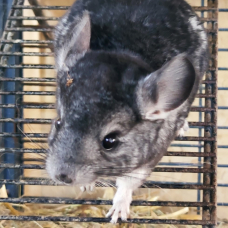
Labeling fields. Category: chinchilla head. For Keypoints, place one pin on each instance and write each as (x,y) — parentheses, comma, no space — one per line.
(115,114)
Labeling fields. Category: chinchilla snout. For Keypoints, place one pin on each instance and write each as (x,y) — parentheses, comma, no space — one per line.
(65,161)
(68,173)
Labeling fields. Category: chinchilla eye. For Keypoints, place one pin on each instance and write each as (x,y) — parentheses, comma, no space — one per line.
(110,141)
(57,124)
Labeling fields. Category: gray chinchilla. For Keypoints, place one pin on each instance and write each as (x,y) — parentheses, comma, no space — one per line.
(127,74)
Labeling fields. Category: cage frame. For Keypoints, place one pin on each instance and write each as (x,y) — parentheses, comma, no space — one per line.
(209,169)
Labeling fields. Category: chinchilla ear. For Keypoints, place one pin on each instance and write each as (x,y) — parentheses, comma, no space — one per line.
(74,43)
(166,89)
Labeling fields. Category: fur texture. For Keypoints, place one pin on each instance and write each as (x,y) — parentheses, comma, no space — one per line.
(136,67)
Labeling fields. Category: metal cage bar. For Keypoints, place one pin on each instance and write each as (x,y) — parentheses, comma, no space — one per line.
(206,145)
(211,117)
(9,113)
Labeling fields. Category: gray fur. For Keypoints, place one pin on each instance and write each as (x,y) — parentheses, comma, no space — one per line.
(135,71)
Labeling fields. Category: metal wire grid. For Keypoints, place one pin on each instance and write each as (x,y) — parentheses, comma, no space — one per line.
(11,119)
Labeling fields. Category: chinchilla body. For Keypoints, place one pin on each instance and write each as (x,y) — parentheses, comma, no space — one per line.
(127,74)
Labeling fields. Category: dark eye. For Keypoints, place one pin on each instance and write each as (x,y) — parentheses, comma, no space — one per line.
(110,141)
(57,124)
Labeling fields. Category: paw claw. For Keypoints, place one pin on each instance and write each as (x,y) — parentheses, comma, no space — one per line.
(109,213)
(89,187)
(124,215)
(119,209)
(114,218)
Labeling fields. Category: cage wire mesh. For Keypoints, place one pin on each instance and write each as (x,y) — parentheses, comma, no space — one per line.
(180,192)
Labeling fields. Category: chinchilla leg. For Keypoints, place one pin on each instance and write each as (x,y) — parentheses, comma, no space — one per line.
(121,203)
(184,129)
(123,197)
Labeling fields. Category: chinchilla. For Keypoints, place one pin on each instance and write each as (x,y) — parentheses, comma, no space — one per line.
(127,74)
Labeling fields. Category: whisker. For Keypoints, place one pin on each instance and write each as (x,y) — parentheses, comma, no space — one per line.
(101,184)
(129,176)
(29,129)
(33,143)
(98,184)
(106,183)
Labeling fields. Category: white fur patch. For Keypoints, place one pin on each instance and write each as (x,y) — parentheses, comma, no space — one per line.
(121,204)
(184,129)
(123,197)
(199,28)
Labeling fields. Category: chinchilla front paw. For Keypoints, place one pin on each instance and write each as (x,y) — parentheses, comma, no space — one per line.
(88,187)
(120,208)
(181,132)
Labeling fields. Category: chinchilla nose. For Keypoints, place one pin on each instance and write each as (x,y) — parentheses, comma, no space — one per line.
(64,178)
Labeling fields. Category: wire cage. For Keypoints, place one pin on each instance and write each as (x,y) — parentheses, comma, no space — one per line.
(27,80)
